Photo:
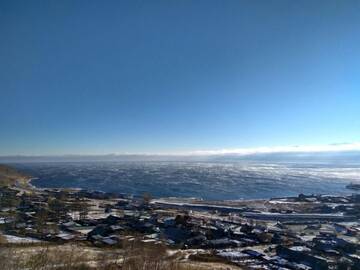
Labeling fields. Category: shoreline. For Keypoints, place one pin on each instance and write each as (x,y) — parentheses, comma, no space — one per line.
(181,200)
(236,187)
(29,182)
(229,204)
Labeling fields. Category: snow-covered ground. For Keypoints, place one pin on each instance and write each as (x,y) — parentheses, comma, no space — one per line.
(16,239)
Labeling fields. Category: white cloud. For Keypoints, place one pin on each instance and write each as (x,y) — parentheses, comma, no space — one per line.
(282,149)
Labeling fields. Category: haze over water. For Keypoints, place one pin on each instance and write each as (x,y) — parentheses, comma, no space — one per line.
(207,180)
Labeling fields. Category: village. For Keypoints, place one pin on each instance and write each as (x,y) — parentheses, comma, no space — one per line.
(303,232)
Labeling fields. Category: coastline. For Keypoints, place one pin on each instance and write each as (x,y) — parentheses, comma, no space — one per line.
(179,200)
(29,182)
(235,183)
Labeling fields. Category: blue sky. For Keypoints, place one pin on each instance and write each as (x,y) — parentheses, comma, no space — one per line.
(94,77)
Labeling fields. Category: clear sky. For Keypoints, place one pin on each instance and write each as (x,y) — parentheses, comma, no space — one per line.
(169,76)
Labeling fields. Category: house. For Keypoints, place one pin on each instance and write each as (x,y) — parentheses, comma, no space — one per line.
(65,236)
(112,220)
(169,222)
(102,230)
(196,241)
(340,228)
(176,234)
(109,241)
(116,228)
(253,253)
(223,243)
(233,255)
(345,246)
(301,255)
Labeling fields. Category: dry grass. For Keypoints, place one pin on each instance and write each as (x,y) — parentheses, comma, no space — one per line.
(9,176)
(134,255)
(41,258)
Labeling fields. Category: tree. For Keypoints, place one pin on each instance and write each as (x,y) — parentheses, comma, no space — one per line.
(147,198)
(81,206)
(58,207)
(41,217)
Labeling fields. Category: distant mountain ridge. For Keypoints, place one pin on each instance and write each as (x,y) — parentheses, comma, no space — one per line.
(343,156)
(328,157)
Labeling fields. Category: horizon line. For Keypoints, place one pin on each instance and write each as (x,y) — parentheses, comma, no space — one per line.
(303,149)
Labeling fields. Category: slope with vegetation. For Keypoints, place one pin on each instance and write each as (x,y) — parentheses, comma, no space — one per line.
(11,177)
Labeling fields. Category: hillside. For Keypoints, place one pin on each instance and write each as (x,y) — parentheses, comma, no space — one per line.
(10,177)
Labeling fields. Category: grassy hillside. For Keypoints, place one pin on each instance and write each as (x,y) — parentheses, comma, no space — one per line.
(10,176)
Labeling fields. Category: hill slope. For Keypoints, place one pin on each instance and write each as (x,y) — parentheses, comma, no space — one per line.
(11,177)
